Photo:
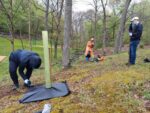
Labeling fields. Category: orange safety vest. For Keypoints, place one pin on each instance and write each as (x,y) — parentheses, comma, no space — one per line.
(89,48)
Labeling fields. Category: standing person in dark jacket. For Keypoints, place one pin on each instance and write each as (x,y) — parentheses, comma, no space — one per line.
(135,32)
(23,59)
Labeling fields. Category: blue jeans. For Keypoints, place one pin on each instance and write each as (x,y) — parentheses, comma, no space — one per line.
(132,51)
(87,57)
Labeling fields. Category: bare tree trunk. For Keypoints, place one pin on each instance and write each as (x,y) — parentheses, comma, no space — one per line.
(10,22)
(59,14)
(8,11)
(55,47)
(51,33)
(11,30)
(46,15)
(51,44)
(119,38)
(95,21)
(91,27)
(82,33)
(37,28)
(11,25)
(104,35)
(104,25)
(11,33)
(114,29)
(21,40)
(95,5)
(29,14)
(67,33)
(51,36)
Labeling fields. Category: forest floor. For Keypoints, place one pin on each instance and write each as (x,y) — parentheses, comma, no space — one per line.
(104,87)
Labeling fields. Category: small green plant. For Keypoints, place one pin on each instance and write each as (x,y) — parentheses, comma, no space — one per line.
(147,95)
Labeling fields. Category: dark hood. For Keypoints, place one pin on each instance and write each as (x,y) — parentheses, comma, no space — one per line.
(35,62)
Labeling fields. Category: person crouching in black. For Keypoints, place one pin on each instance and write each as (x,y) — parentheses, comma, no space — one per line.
(23,60)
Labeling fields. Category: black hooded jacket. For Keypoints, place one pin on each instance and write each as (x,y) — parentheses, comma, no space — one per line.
(25,60)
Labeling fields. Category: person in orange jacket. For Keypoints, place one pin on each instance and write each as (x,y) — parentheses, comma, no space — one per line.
(89,49)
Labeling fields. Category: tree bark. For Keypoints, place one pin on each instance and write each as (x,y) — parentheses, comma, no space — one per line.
(95,5)
(11,26)
(46,15)
(9,15)
(58,26)
(21,40)
(55,47)
(119,38)
(104,25)
(29,14)
(114,29)
(67,33)
(95,21)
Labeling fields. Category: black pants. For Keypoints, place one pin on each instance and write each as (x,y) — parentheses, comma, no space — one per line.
(13,65)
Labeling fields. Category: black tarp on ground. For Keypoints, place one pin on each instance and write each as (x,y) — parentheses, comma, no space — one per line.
(39,93)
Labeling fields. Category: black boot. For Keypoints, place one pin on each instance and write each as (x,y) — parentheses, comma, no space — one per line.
(15,87)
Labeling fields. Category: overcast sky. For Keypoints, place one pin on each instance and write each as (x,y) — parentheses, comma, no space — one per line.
(83,5)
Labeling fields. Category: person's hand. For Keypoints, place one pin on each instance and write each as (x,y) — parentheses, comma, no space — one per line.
(27,83)
(130,34)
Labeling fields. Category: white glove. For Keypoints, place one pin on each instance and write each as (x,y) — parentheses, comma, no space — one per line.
(26,81)
(130,34)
